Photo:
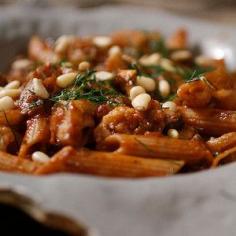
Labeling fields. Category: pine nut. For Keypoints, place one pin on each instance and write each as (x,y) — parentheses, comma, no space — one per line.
(102,41)
(63,42)
(21,64)
(66,80)
(147,83)
(181,55)
(15,84)
(66,64)
(141,102)
(14,93)
(164,88)
(66,70)
(54,59)
(167,65)
(83,66)
(40,157)
(6,103)
(128,59)
(39,89)
(127,75)
(169,105)
(114,50)
(135,91)
(149,60)
(203,60)
(103,75)
(173,133)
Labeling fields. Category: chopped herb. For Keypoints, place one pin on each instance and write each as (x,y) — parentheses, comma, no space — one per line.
(171,97)
(208,82)
(94,95)
(198,75)
(86,87)
(66,64)
(82,80)
(193,79)
(63,61)
(135,66)
(150,71)
(189,74)
(35,104)
(145,146)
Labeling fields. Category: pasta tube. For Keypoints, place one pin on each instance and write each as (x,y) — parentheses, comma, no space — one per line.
(190,151)
(12,163)
(210,121)
(108,164)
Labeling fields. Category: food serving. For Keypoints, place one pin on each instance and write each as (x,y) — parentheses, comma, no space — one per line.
(131,104)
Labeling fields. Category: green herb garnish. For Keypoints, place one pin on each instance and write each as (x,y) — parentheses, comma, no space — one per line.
(82,80)
(150,71)
(94,95)
(198,75)
(36,103)
(190,75)
(137,67)
(86,87)
(144,145)
(171,97)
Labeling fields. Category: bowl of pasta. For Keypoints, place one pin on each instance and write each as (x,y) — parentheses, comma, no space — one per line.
(95,108)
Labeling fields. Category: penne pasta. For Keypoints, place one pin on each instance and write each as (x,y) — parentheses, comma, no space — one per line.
(225,99)
(210,121)
(178,39)
(12,163)
(140,104)
(39,50)
(222,143)
(67,123)
(225,157)
(219,77)
(108,164)
(11,117)
(37,133)
(190,151)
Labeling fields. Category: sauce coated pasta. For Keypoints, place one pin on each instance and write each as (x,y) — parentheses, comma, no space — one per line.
(130,104)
